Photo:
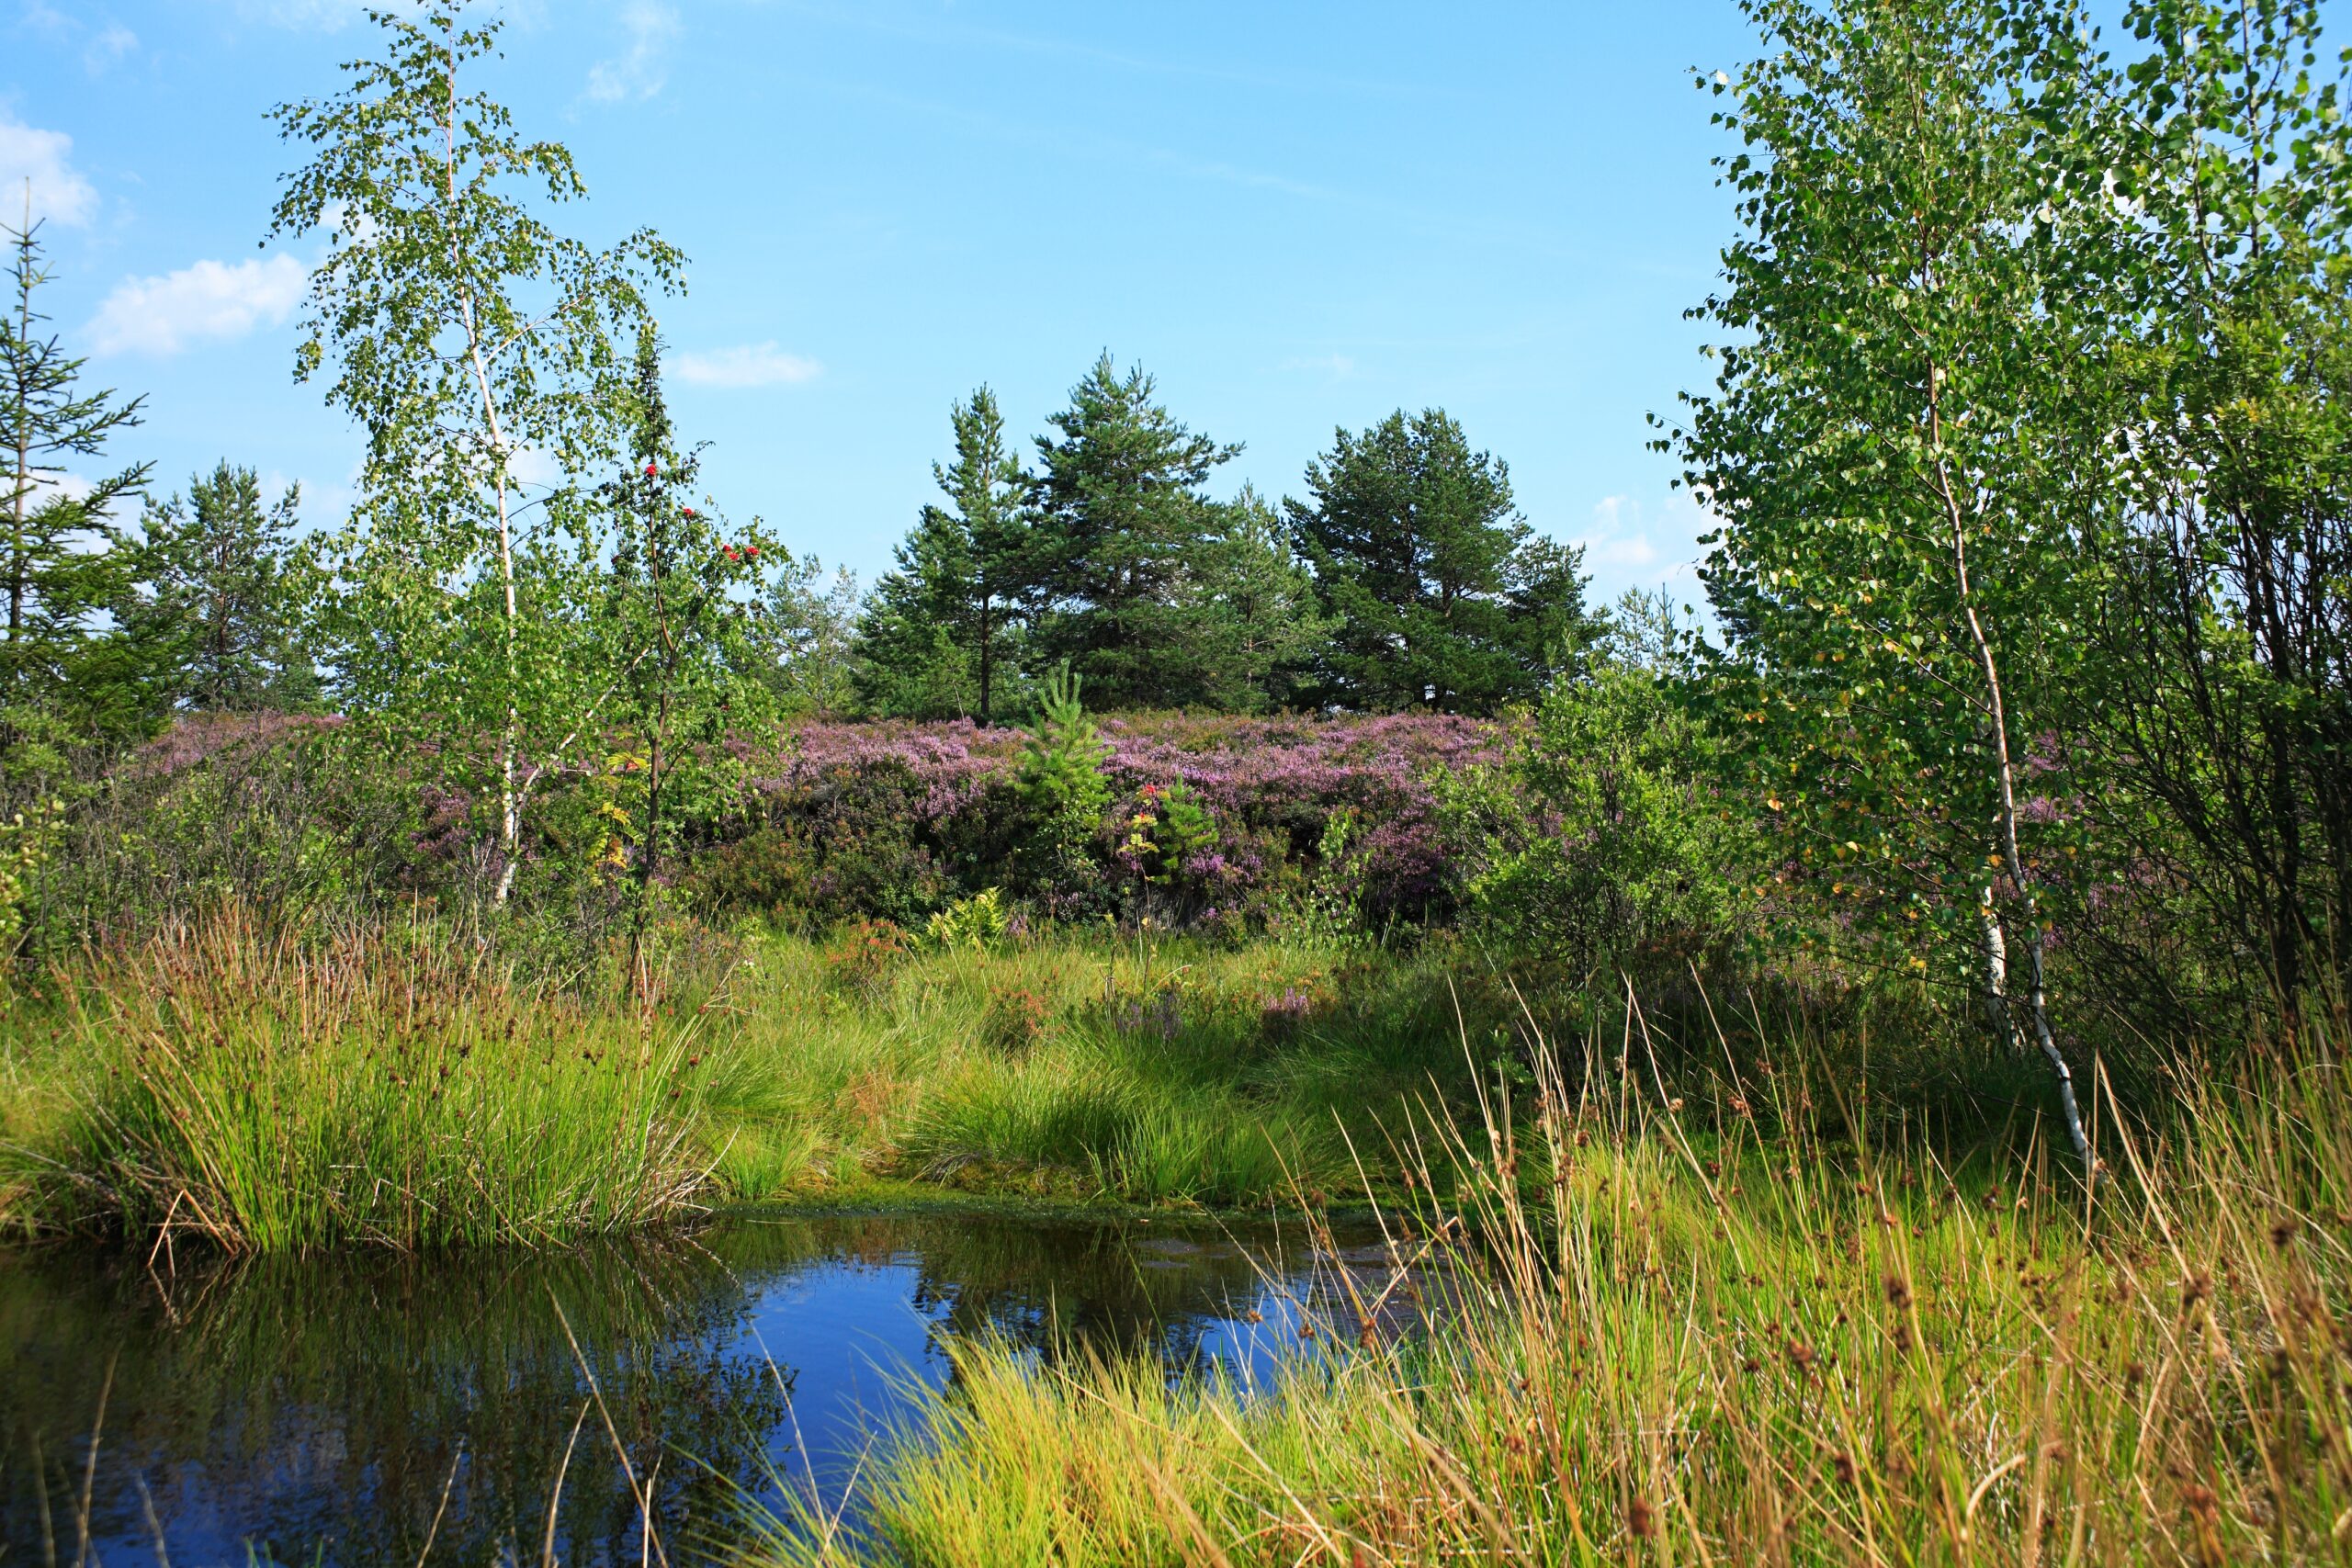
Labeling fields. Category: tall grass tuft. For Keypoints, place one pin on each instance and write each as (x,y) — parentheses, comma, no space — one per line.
(1623,1338)
(277,1095)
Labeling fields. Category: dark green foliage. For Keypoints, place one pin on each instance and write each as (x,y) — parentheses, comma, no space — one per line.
(1606,844)
(1061,786)
(1439,593)
(220,603)
(1120,530)
(1259,630)
(65,683)
(939,637)
(908,662)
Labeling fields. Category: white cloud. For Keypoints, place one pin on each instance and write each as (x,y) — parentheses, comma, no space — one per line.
(530,466)
(751,365)
(1337,366)
(45,18)
(58,193)
(1628,544)
(210,299)
(114,41)
(639,73)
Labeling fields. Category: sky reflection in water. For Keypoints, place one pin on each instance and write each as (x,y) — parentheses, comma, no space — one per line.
(315,1411)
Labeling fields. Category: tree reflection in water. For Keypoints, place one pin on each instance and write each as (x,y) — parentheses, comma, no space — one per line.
(316,1409)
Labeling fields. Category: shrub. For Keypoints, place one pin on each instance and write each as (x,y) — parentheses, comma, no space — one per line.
(943,804)
(864,952)
(1062,792)
(977,923)
(1602,844)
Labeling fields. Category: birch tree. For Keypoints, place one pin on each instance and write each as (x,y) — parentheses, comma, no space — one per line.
(470,342)
(1892,571)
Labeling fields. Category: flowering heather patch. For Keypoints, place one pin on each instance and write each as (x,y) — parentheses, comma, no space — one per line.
(198,738)
(897,809)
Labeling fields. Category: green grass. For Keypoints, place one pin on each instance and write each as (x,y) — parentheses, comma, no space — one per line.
(382,1087)
(1073,1067)
(270,1098)
(1775,1349)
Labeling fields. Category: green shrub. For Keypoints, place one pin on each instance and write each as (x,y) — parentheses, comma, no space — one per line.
(1062,791)
(1602,845)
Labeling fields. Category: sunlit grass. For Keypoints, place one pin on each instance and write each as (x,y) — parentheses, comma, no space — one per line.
(1770,1349)
(270,1097)
(386,1086)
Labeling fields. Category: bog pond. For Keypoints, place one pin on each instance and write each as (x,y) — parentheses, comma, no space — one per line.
(320,1410)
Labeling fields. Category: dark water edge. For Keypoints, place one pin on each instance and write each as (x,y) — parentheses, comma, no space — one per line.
(317,1410)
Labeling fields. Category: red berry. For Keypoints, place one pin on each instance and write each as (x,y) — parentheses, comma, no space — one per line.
(690,511)
(754,551)
(648,470)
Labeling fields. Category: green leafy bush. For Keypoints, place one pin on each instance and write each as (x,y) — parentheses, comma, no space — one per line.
(1602,844)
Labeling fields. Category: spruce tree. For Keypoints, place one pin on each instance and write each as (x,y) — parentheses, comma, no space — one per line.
(1440,592)
(940,636)
(64,681)
(217,616)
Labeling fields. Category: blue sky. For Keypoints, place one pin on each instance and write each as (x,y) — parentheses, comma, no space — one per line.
(1294,215)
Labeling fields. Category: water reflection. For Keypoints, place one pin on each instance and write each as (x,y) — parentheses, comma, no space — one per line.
(322,1410)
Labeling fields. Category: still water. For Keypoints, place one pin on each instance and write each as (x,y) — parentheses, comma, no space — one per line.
(318,1411)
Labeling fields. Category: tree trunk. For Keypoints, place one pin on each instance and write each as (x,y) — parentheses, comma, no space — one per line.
(1997,968)
(987,646)
(510,800)
(24,431)
(2037,1004)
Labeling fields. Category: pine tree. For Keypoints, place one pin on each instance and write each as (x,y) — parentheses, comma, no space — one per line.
(216,617)
(1119,536)
(1442,595)
(1258,631)
(940,634)
(63,681)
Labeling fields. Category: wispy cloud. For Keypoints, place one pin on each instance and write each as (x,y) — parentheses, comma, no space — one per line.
(748,364)
(109,45)
(212,300)
(640,71)
(103,42)
(58,193)
(1629,543)
(1337,366)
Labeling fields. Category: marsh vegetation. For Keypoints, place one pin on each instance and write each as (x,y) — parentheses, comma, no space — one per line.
(1854,1075)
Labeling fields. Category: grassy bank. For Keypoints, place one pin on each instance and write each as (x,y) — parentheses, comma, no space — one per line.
(1778,1351)
(374,1088)
(394,1087)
